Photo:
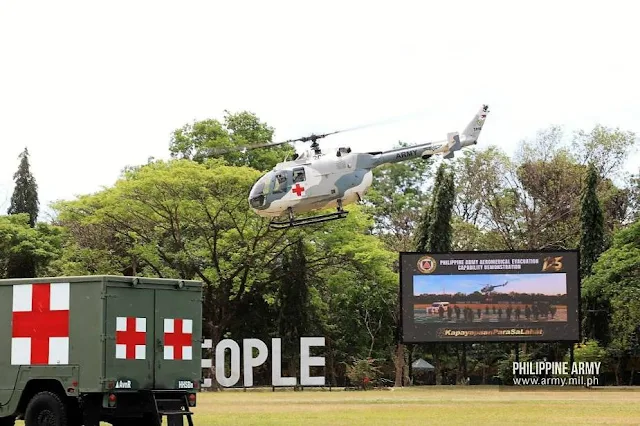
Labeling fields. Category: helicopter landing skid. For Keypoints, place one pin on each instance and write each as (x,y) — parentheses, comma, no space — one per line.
(292,222)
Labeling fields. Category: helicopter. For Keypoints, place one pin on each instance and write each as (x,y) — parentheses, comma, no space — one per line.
(314,180)
(489,288)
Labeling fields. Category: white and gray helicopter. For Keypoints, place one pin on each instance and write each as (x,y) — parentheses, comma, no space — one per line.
(316,181)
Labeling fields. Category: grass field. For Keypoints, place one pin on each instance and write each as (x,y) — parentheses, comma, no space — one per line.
(446,405)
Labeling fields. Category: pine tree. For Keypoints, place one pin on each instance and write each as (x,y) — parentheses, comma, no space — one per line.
(25,194)
(422,234)
(592,221)
(23,201)
(596,320)
(440,232)
(434,230)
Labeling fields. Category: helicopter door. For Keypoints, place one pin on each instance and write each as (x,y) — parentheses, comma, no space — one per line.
(299,178)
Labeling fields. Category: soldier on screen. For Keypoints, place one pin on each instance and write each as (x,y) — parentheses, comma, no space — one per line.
(441,312)
(518,312)
(457,312)
(509,312)
(527,312)
(486,310)
(479,312)
(500,313)
(552,311)
(536,312)
(449,312)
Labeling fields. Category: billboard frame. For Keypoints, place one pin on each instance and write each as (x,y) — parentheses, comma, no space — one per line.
(401,254)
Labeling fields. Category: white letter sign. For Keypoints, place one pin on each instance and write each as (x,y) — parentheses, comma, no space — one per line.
(249,360)
(307,361)
(235,363)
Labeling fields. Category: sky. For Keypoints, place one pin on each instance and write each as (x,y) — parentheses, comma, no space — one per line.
(549,284)
(92,87)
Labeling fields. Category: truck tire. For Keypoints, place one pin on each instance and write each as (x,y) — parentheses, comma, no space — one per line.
(45,409)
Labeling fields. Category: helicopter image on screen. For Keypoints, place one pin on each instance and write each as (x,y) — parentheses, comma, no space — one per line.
(487,290)
(315,180)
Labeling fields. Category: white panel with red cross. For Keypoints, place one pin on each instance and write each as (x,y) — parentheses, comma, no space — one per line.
(40,324)
(131,338)
(178,339)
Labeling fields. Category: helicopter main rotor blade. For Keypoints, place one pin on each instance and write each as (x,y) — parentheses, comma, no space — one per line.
(311,138)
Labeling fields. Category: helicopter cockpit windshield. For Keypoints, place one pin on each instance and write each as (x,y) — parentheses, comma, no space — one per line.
(259,191)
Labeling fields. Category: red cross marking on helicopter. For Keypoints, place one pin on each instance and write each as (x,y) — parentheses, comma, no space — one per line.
(298,189)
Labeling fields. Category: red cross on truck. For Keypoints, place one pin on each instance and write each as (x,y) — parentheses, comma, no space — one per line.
(119,350)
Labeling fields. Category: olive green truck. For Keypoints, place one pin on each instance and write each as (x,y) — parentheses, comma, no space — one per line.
(83,350)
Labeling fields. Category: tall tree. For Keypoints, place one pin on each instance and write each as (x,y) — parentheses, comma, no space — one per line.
(22,264)
(422,235)
(592,221)
(440,232)
(434,230)
(25,193)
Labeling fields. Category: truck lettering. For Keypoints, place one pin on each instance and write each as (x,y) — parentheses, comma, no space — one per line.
(185,384)
(123,384)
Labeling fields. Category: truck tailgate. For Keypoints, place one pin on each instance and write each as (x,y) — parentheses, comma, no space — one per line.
(153,336)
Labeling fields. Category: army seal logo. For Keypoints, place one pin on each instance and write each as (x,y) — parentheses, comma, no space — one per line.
(426,264)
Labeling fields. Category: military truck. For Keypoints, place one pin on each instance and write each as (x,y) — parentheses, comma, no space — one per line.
(79,350)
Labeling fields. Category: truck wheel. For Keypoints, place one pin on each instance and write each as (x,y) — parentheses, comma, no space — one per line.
(45,409)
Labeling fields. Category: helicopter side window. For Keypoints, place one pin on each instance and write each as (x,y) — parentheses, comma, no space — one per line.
(298,175)
(280,183)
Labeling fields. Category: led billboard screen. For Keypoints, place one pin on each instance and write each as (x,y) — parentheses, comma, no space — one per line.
(490,296)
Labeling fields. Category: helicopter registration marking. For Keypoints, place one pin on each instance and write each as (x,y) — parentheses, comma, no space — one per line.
(298,189)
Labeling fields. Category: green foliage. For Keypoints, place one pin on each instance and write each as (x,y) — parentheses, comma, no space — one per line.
(589,351)
(396,198)
(592,221)
(199,140)
(615,281)
(434,231)
(19,240)
(362,372)
(604,147)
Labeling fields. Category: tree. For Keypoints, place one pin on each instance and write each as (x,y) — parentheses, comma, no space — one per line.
(592,221)
(440,231)
(605,148)
(434,230)
(396,198)
(615,282)
(25,193)
(41,245)
(211,139)
(293,308)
